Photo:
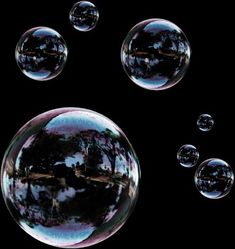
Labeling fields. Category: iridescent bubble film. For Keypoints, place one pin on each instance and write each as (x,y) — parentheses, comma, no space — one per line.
(84,16)
(70,178)
(214,178)
(155,54)
(187,155)
(205,122)
(41,53)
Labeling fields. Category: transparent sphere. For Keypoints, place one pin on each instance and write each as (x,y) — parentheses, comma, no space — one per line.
(41,53)
(155,54)
(214,178)
(187,155)
(205,122)
(84,16)
(70,177)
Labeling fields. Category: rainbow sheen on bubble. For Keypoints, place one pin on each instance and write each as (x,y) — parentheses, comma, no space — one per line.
(70,178)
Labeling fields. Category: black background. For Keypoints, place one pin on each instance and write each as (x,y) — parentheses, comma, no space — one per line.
(169,209)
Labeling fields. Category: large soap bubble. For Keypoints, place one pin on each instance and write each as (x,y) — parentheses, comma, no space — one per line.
(70,177)
(155,54)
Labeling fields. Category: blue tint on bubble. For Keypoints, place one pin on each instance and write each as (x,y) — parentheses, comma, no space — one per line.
(41,53)
(155,54)
(70,177)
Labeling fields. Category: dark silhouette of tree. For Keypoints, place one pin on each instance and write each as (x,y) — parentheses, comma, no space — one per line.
(109,147)
(46,150)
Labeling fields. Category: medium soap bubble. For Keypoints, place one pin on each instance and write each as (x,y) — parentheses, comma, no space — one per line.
(155,54)
(214,178)
(41,53)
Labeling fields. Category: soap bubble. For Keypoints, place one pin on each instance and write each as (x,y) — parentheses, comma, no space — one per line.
(205,122)
(187,155)
(70,177)
(84,16)
(214,178)
(155,54)
(41,53)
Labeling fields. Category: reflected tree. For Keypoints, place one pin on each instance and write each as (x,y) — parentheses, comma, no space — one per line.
(42,165)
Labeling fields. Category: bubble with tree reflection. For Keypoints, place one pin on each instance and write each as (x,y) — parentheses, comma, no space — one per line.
(214,178)
(70,177)
(84,16)
(155,54)
(41,53)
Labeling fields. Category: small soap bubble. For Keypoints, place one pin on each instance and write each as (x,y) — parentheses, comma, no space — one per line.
(205,122)
(187,155)
(84,16)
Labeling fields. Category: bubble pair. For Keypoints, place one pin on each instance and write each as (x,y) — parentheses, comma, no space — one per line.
(41,53)
(214,177)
